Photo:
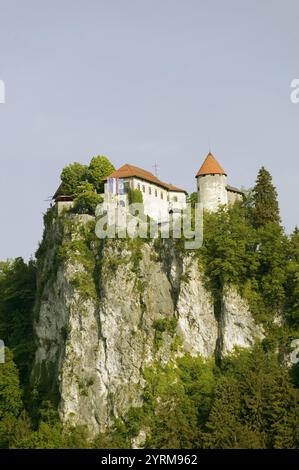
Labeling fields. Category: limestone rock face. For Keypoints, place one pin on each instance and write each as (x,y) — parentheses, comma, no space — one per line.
(237,327)
(100,323)
(197,324)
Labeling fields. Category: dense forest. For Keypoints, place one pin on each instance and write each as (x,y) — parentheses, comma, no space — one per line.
(246,400)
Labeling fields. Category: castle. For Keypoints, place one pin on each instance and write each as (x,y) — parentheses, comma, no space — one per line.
(212,188)
(159,198)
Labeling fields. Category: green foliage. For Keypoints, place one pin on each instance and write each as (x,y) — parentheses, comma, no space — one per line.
(18,432)
(17,295)
(53,436)
(80,245)
(228,252)
(177,401)
(134,246)
(116,438)
(10,394)
(10,398)
(255,404)
(160,326)
(292,281)
(99,168)
(265,208)
(192,199)
(170,414)
(247,403)
(72,176)
(86,199)
(135,196)
(255,260)
(272,264)
(85,183)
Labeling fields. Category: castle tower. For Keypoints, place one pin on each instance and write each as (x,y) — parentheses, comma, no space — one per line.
(211,184)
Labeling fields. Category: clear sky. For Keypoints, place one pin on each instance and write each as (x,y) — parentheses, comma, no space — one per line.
(142,81)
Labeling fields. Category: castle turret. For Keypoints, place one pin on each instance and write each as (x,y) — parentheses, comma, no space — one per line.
(211,184)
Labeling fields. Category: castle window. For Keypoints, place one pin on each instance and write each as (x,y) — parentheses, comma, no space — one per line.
(161,195)
(143,188)
(175,199)
(149,190)
(138,187)
(156,194)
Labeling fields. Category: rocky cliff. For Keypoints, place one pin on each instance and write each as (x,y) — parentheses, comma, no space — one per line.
(106,310)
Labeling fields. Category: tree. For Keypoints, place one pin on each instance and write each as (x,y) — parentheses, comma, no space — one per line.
(174,424)
(86,199)
(72,176)
(292,283)
(197,375)
(48,436)
(228,247)
(255,405)
(268,402)
(192,199)
(172,413)
(272,269)
(10,398)
(223,426)
(99,168)
(266,207)
(10,392)
(17,295)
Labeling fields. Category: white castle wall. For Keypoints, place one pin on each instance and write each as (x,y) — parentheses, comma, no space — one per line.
(233,197)
(211,191)
(154,199)
(157,201)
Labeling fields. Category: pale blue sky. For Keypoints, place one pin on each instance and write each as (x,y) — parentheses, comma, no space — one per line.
(144,81)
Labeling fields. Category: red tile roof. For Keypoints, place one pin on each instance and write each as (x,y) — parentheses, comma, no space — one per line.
(210,167)
(127,171)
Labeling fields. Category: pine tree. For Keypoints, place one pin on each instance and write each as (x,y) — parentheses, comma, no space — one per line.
(223,426)
(266,207)
(292,284)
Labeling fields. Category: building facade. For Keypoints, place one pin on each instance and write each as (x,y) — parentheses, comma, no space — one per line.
(159,198)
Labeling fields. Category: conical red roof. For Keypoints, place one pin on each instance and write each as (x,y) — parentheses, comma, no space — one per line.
(210,167)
